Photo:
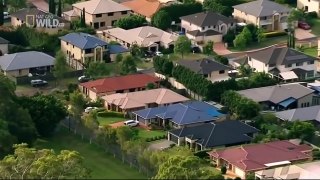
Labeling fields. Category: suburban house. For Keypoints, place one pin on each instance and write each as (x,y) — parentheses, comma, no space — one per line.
(40,4)
(26,63)
(179,115)
(4,46)
(310,114)
(206,26)
(255,157)
(281,97)
(146,36)
(308,170)
(210,69)
(265,14)
(283,62)
(218,134)
(40,20)
(81,48)
(115,49)
(117,84)
(99,14)
(133,101)
(309,5)
(145,8)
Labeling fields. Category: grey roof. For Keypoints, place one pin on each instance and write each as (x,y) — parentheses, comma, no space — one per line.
(3,41)
(207,19)
(22,13)
(203,66)
(280,56)
(183,113)
(83,40)
(302,114)
(209,32)
(277,93)
(25,60)
(223,133)
(262,8)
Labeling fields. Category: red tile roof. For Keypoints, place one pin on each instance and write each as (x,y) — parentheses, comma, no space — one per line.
(120,83)
(254,157)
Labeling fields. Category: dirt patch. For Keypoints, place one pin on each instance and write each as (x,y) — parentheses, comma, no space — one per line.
(120,124)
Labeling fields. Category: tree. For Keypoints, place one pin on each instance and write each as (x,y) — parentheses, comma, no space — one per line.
(215,6)
(161,20)
(180,167)
(60,66)
(59,11)
(229,37)
(15,5)
(136,51)
(128,65)
(29,163)
(1,13)
(260,35)
(182,45)
(247,35)
(245,70)
(107,135)
(6,138)
(91,121)
(46,112)
(221,59)
(125,134)
(223,170)
(208,48)
(52,7)
(119,58)
(302,130)
(240,41)
(77,103)
(130,22)
(151,86)
(97,69)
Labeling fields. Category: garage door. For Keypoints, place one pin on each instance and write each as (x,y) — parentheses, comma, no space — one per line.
(173,138)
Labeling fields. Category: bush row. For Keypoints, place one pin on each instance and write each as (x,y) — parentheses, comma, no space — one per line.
(275,34)
(156,138)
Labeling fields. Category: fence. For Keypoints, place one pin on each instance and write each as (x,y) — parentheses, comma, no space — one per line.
(48,77)
(114,149)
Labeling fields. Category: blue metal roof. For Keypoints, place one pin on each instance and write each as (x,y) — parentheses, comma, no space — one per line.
(83,40)
(287,102)
(183,113)
(116,49)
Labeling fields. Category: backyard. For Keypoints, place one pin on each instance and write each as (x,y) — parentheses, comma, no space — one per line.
(109,120)
(316,26)
(103,165)
(310,51)
(267,42)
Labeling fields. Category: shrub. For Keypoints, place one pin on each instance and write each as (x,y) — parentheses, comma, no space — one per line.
(214,164)
(153,126)
(312,15)
(223,170)
(172,145)
(72,87)
(237,178)
(275,34)
(202,154)
(147,139)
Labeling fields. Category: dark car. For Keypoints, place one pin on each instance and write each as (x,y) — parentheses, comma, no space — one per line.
(195,49)
(149,54)
(304,25)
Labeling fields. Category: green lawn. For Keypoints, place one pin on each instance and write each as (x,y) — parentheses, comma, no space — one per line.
(109,120)
(143,133)
(103,165)
(311,51)
(189,56)
(316,27)
(267,42)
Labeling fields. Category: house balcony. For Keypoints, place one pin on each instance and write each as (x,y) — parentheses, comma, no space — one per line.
(265,22)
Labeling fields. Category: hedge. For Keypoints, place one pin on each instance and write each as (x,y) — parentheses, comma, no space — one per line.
(110,114)
(275,34)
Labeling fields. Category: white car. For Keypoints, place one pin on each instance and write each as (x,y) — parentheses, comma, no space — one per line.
(158,53)
(89,109)
(131,123)
(6,15)
(38,82)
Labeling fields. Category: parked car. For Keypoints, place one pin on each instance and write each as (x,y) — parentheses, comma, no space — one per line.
(38,82)
(304,25)
(6,15)
(83,79)
(148,54)
(158,53)
(195,49)
(131,123)
(89,109)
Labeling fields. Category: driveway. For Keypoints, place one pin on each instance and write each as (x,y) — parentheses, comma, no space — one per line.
(160,145)
(220,49)
(304,34)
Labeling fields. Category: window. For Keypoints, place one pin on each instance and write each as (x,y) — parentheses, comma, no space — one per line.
(110,14)
(263,18)
(310,62)
(98,15)
(214,26)
(310,74)
(72,46)
(306,8)
(124,12)
(113,22)
(202,28)
(20,71)
(231,24)
(288,65)
(308,104)
(205,75)
(67,43)
(221,72)
(299,64)
(96,25)
(102,24)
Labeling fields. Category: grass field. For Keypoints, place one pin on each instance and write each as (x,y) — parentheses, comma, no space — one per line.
(311,51)
(316,27)
(267,42)
(103,165)
(109,120)
(143,133)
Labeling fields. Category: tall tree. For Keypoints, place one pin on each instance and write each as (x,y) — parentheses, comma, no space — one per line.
(60,66)
(128,65)
(130,22)
(215,6)
(91,121)
(77,103)
(97,69)
(15,5)
(52,6)
(240,41)
(1,13)
(161,20)
(29,163)
(46,112)
(182,45)
(208,48)
(6,138)
(59,11)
